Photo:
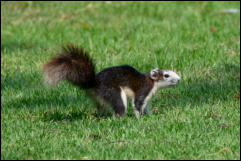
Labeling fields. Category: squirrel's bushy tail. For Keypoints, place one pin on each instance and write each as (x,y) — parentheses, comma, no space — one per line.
(73,65)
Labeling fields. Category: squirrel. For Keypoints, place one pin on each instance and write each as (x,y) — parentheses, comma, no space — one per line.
(110,87)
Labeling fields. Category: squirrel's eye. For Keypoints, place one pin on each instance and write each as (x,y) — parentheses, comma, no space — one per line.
(166,75)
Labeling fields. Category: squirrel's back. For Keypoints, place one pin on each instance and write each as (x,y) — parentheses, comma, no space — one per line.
(121,76)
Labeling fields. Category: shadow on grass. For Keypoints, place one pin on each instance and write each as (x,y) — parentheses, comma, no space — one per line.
(15,46)
(205,91)
(58,115)
(18,81)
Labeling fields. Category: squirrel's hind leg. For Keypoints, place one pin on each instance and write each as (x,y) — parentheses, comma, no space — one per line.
(116,98)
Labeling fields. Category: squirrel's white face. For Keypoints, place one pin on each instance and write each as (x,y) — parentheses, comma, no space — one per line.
(164,78)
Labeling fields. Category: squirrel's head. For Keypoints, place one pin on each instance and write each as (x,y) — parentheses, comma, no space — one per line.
(164,77)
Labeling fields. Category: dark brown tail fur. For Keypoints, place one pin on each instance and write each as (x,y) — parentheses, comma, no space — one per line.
(73,65)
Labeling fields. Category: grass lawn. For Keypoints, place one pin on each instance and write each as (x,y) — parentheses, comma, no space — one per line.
(197,119)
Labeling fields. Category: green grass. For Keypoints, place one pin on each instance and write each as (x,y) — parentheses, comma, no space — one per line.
(198,119)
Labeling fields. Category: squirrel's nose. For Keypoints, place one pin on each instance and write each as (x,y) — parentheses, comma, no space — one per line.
(178,79)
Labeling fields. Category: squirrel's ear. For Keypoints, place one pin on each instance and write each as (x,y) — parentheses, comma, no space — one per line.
(154,74)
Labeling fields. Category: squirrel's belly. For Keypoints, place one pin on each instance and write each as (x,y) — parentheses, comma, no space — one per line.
(129,92)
